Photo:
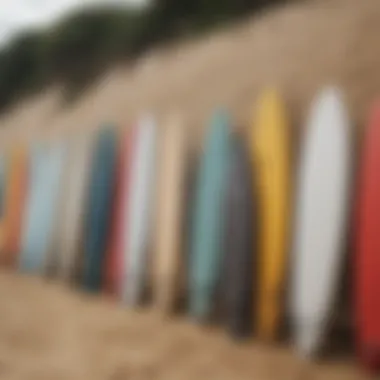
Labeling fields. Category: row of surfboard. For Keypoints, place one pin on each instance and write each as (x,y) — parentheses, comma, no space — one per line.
(116,212)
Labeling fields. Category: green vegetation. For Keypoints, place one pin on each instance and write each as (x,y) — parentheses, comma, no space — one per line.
(80,47)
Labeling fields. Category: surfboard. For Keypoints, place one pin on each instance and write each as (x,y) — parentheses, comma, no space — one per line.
(207,222)
(189,187)
(367,264)
(98,211)
(3,185)
(117,249)
(15,195)
(140,215)
(58,147)
(35,169)
(46,172)
(170,199)
(271,155)
(69,235)
(241,242)
(322,194)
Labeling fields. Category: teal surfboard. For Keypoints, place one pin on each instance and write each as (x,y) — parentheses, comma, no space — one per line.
(206,252)
(45,175)
(99,207)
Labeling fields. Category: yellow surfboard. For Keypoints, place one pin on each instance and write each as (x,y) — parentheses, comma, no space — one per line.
(271,157)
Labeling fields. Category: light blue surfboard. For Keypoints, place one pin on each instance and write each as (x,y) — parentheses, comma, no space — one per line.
(46,164)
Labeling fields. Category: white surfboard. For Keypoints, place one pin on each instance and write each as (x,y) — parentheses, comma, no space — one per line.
(168,221)
(71,219)
(60,156)
(320,220)
(138,227)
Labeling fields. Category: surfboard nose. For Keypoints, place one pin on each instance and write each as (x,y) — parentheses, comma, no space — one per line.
(331,100)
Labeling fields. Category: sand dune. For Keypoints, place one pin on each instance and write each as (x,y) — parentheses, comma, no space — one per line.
(298,48)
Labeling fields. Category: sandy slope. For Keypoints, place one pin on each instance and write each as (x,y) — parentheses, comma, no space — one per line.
(299,49)
(47,333)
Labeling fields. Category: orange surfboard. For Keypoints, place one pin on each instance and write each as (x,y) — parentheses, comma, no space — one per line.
(3,183)
(14,199)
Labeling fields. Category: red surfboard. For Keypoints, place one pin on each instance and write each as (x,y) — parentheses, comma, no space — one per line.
(367,281)
(115,257)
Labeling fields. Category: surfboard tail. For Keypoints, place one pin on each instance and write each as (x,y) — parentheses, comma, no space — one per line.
(200,305)
(308,338)
(267,320)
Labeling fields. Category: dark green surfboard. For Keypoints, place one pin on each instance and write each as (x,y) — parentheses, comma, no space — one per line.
(98,214)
